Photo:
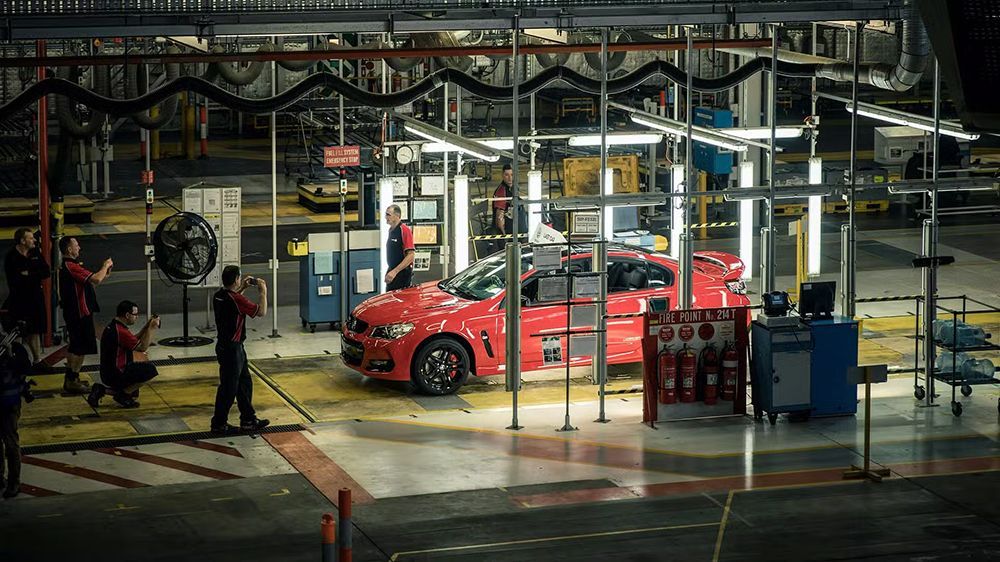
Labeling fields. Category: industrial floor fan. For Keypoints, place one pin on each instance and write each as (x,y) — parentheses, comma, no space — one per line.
(185,249)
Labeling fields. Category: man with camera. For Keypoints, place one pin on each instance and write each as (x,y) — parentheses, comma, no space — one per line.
(14,364)
(120,372)
(79,303)
(231,311)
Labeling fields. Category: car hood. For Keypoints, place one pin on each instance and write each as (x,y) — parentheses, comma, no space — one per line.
(405,305)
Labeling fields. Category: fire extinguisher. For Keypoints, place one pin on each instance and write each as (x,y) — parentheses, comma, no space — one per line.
(730,373)
(687,371)
(710,374)
(666,370)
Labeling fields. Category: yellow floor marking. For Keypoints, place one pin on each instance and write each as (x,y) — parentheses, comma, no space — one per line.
(397,555)
(283,492)
(722,525)
(220,499)
(122,507)
(50,515)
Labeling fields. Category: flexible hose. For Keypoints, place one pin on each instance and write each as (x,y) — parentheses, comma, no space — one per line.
(614,59)
(64,108)
(138,85)
(430,83)
(243,77)
(301,65)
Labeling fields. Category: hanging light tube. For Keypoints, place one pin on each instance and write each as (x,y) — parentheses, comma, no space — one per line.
(677,172)
(385,186)
(746,220)
(758,133)
(496,144)
(616,139)
(911,120)
(461,144)
(679,129)
(609,212)
(461,228)
(815,218)
(534,194)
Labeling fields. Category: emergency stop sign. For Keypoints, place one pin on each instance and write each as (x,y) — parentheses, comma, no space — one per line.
(341,156)
(666,334)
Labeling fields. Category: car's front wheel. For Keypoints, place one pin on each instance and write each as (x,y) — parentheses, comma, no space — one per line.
(441,367)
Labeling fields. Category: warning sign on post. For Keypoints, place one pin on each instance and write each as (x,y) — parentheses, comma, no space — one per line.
(341,156)
(586,223)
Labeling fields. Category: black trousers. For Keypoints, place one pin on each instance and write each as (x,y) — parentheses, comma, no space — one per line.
(10,444)
(136,372)
(401,281)
(234,384)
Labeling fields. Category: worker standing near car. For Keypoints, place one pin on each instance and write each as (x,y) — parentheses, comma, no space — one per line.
(231,311)
(501,202)
(79,303)
(400,251)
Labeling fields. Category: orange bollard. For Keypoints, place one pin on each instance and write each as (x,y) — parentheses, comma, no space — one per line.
(329,530)
(344,505)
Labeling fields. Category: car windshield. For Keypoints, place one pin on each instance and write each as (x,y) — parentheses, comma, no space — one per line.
(484,279)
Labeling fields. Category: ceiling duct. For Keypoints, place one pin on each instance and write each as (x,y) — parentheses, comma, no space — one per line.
(237,77)
(138,84)
(913,57)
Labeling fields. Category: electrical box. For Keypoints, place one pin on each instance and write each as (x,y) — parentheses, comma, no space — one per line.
(782,353)
(320,274)
(707,157)
(220,206)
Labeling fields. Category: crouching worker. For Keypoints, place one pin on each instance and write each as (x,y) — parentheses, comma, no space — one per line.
(121,374)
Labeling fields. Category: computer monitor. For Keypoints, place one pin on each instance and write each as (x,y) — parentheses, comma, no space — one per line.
(816,299)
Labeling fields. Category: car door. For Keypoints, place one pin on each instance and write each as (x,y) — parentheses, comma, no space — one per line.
(631,282)
(543,311)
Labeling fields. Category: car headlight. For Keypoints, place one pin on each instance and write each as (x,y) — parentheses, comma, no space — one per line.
(392,331)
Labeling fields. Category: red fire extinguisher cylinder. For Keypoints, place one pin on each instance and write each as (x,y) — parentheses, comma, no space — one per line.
(710,369)
(730,372)
(687,371)
(666,370)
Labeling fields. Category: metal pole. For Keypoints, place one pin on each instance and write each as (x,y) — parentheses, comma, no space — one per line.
(149,217)
(601,361)
(765,248)
(44,205)
(686,254)
(772,117)
(930,246)
(344,289)
(850,288)
(812,111)
(445,235)
(458,127)
(273,293)
(512,342)
(677,99)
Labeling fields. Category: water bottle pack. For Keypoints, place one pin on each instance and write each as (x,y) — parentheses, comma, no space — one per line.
(948,362)
(977,369)
(959,334)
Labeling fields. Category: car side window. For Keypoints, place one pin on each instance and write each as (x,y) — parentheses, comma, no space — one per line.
(627,275)
(659,276)
(530,289)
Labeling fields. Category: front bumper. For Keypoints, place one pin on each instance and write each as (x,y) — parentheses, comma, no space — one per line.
(376,358)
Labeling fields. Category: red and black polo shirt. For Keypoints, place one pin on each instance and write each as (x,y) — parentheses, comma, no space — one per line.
(400,241)
(75,291)
(231,311)
(117,345)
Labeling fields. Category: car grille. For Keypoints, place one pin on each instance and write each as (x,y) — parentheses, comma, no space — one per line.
(356,325)
(351,351)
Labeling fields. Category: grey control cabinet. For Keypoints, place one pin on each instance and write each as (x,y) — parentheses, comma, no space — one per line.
(780,372)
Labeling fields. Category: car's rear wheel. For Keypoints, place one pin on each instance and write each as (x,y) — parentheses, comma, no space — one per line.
(441,367)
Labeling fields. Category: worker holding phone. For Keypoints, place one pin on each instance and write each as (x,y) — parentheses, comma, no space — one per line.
(122,372)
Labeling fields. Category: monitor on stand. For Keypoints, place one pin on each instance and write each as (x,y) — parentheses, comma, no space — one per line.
(816,300)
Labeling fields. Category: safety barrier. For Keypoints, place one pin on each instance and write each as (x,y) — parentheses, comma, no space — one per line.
(328,530)
(334,550)
(714,225)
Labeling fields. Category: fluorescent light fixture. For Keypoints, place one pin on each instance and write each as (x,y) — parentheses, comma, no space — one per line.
(497,144)
(677,204)
(385,186)
(534,194)
(680,129)
(460,143)
(461,229)
(616,139)
(815,218)
(911,120)
(746,221)
(609,212)
(759,133)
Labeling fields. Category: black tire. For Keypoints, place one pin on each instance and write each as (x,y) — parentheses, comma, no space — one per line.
(956,408)
(919,393)
(966,390)
(773,418)
(440,367)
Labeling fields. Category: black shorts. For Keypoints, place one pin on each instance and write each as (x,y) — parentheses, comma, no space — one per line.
(137,372)
(82,339)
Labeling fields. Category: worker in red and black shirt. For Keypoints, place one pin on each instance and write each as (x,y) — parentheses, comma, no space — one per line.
(501,200)
(121,373)
(400,251)
(79,303)
(231,312)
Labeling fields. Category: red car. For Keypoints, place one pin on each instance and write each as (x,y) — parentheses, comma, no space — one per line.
(437,333)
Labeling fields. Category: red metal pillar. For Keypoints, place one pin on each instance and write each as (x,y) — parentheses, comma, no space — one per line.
(43,194)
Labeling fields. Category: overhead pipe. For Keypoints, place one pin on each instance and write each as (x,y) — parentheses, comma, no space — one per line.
(902,76)
(241,77)
(64,110)
(614,60)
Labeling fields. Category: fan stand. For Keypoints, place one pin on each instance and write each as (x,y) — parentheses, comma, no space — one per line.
(185,340)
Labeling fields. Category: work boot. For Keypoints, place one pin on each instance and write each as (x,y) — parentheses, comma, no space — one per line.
(225,429)
(125,400)
(12,490)
(73,385)
(255,424)
(96,393)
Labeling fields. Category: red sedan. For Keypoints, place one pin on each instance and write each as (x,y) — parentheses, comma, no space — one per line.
(438,333)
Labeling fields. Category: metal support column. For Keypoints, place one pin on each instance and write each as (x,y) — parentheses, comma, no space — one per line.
(445,234)
(273,289)
(512,342)
(772,118)
(850,289)
(930,247)
(765,247)
(345,301)
(685,290)
(42,144)
(601,360)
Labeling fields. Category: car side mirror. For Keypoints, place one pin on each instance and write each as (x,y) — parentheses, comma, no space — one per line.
(525,301)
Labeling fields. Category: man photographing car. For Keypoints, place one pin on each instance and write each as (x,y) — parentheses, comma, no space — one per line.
(121,373)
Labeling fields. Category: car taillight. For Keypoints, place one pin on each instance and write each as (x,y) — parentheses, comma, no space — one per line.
(737,287)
